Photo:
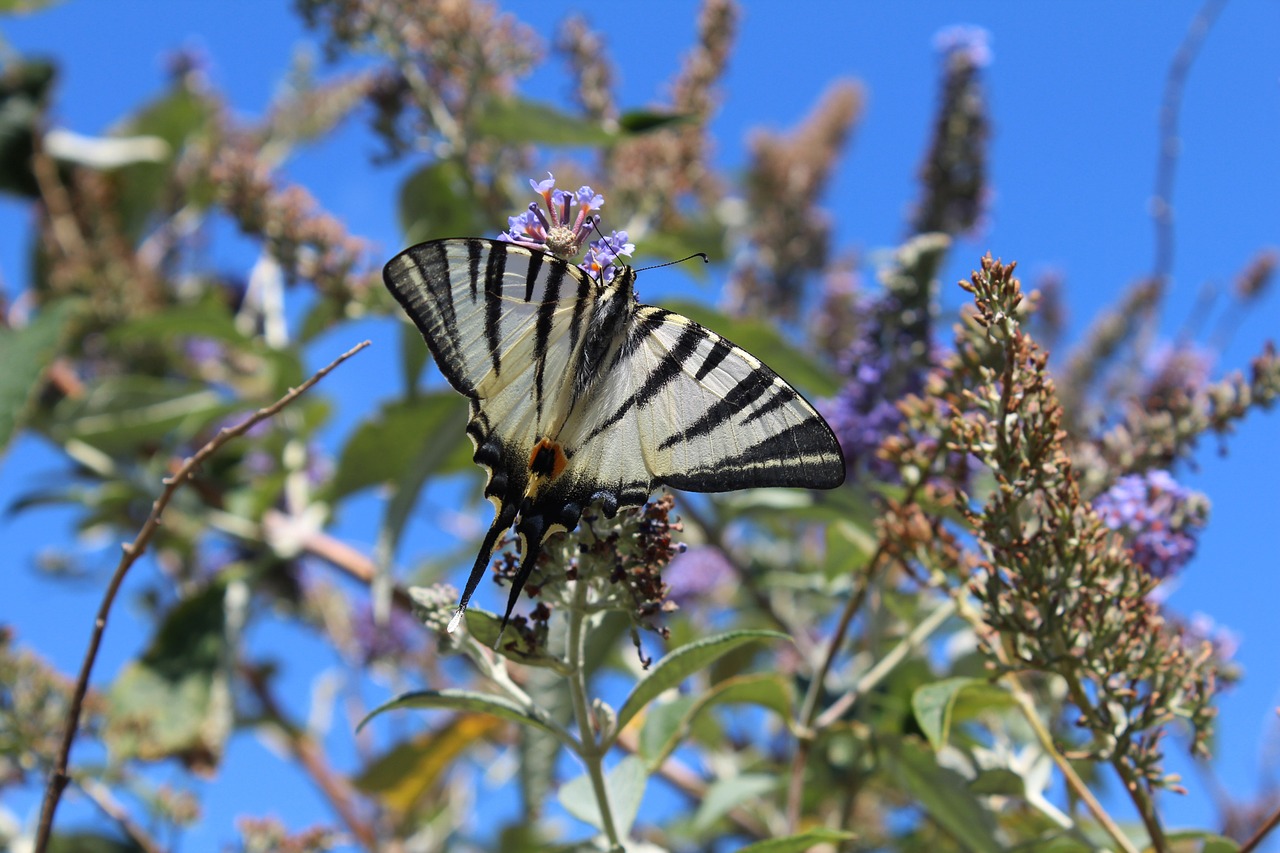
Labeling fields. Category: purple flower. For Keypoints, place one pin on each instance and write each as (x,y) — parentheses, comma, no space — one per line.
(1171,369)
(1159,518)
(551,226)
(698,575)
(599,262)
(377,642)
(882,366)
(1203,628)
(965,41)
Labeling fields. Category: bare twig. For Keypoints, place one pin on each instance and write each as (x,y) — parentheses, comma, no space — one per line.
(112,808)
(58,779)
(1272,821)
(1167,163)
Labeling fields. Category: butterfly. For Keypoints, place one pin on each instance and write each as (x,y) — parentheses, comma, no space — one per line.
(579,393)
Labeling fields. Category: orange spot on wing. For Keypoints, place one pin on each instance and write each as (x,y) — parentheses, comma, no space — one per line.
(547,459)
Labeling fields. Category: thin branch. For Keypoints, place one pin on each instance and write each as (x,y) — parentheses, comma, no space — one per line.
(913,641)
(59,778)
(1272,821)
(112,808)
(1170,143)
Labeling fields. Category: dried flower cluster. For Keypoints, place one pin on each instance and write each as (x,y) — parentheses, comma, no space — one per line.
(788,232)
(1058,587)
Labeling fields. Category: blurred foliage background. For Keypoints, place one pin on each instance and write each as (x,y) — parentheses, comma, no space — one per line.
(962,648)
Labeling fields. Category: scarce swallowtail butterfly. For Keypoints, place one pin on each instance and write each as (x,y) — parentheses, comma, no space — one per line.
(579,393)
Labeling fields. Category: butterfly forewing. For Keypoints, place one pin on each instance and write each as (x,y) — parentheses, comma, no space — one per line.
(579,393)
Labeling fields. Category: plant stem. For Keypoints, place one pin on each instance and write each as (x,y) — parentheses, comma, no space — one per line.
(592,754)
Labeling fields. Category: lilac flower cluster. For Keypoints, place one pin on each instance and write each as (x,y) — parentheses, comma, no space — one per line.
(970,42)
(881,368)
(552,227)
(1159,517)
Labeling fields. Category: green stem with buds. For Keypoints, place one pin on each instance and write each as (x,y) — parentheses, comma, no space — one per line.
(590,748)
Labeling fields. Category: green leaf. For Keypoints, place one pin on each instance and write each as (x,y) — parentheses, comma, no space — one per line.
(725,794)
(938,704)
(9,7)
(451,699)
(437,201)
(944,794)
(683,662)
(410,768)
(90,842)
(521,122)
(485,627)
(849,546)
(209,319)
(767,690)
(766,343)
(799,843)
(999,780)
(663,724)
(142,188)
(119,413)
(175,701)
(674,243)
(1200,841)
(646,121)
(624,785)
(381,448)
(25,354)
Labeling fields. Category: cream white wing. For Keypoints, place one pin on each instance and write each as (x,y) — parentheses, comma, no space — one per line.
(685,407)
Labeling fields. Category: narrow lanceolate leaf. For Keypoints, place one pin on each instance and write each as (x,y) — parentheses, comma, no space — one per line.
(683,662)
(25,354)
(406,771)
(799,843)
(625,786)
(466,700)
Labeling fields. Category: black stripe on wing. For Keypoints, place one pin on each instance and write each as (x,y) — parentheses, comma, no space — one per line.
(661,376)
(805,455)
(493,273)
(420,280)
(542,326)
(749,389)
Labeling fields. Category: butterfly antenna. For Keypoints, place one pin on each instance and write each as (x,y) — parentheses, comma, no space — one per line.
(702,255)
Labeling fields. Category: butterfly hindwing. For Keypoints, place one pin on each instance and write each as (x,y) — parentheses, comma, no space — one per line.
(579,393)
(687,408)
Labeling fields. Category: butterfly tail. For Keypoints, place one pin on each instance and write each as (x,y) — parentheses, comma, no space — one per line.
(533,532)
(503,520)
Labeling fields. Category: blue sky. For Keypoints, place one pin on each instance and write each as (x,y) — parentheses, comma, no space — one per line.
(1074,90)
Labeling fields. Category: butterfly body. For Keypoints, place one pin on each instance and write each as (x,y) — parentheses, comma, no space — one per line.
(579,393)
